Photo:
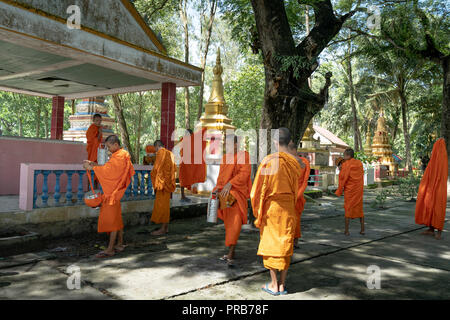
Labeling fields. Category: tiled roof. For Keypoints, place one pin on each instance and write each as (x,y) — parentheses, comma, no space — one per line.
(327,134)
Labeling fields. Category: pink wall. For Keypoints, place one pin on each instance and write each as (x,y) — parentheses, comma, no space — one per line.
(15,151)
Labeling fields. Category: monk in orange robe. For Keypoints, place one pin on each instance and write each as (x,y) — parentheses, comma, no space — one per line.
(351,182)
(273,197)
(192,165)
(432,196)
(163,180)
(234,178)
(303,184)
(94,137)
(150,157)
(114,177)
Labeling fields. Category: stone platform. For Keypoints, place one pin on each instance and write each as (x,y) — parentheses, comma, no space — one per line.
(185,265)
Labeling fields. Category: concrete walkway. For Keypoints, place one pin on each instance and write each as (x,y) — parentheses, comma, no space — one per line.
(185,264)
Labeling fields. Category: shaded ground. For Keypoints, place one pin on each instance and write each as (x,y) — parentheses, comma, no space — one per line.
(185,264)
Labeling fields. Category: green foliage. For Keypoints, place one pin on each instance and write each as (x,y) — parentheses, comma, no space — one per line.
(295,63)
(381,197)
(361,156)
(408,187)
(245,96)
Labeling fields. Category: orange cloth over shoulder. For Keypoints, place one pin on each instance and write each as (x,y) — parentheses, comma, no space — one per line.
(432,196)
(303,184)
(163,180)
(93,142)
(351,182)
(235,169)
(273,197)
(114,177)
(193,166)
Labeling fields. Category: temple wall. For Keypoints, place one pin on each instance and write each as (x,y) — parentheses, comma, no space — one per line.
(17,150)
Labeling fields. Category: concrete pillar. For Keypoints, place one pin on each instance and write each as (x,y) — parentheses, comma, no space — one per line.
(57,118)
(168,101)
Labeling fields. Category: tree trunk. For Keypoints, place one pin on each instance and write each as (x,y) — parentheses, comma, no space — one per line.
(137,148)
(122,126)
(356,133)
(46,122)
(38,118)
(288,100)
(308,30)
(205,55)
(20,127)
(184,19)
(404,104)
(445,124)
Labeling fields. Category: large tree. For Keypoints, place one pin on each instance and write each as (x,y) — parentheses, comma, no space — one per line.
(288,99)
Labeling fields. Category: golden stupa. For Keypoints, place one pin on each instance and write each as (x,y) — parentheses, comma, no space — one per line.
(368,145)
(215,116)
(381,147)
(308,141)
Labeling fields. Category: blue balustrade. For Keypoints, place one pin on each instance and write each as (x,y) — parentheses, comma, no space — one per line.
(128,192)
(57,194)
(138,189)
(150,186)
(80,194)
(135,184)
(69,194)
(142,187)
(45,188)
(36,173)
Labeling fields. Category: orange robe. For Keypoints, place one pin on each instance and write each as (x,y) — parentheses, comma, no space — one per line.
(163,180)
(432,196)
(114,177)
(351,182)
(238,174)
(303,184)
(192,166)
(93,142)
(274,196)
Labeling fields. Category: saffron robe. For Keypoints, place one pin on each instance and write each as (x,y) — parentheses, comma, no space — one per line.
(237,172)
(432,196)
(114,177)
(93,142)
(163,180)
(192,165)
(303,184)
(351,182)
(274,196)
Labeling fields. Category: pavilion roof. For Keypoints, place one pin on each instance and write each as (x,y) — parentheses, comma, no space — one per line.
(330,137)
(114,51)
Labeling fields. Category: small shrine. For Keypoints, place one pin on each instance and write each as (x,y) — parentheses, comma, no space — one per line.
(368,145)
(386,167)
(83,117)
(215,119)
(317,155)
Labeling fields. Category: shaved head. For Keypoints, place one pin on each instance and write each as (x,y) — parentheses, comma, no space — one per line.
(159,143)
(350,153)
(113,139)
(284,137)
